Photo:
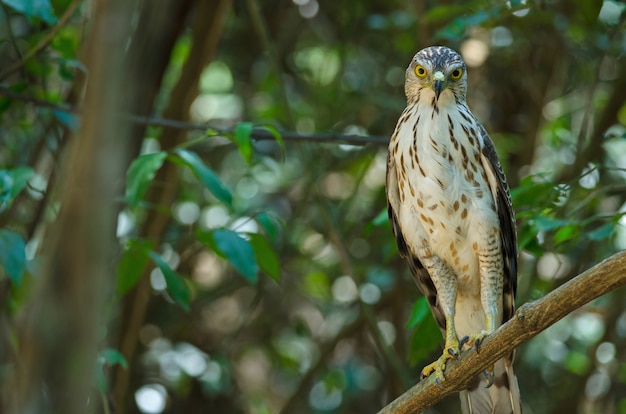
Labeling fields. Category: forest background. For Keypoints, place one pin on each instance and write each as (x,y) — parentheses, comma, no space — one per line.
(192,209)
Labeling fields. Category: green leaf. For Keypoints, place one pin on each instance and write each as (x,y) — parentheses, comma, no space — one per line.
(34,8)
(547,223)
(20,176)
(442,14)
(68,119)
(270,223)
(577,363)
(534,190)
(381,218)
(452,31)
(457,28)
(12,182)
(533,247)
(176,286)
(277,135)
(208,177)
(477,18)
(13,255)
(566,233)
(67,43)
(140,174)
(243,132)
(107,356)
(317,285)
(526,235)
(425,339)
(265,256)
(110,356)
(132,265)
(601,232)
(237,250)
(426,334)
(418,313)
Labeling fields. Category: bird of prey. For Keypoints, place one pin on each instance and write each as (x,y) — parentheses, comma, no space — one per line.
(451,213)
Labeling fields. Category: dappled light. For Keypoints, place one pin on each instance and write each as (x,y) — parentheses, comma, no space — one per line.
(195,221)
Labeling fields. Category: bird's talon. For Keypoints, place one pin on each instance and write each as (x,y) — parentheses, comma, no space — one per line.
(450,350)
(438,381)
(489,376)
(463,341)
(453,353)
(476,340)
(438,367)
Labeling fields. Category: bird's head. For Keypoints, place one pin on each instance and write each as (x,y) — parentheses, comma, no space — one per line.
(438,69)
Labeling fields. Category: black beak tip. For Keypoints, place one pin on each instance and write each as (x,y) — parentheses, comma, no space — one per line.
(438,88)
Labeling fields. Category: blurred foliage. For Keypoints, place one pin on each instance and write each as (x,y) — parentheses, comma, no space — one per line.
(276,252)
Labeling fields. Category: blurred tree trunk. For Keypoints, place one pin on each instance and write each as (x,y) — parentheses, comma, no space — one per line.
(63,323)
(207,24)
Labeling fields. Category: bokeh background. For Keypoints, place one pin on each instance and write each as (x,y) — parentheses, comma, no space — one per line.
(248,265)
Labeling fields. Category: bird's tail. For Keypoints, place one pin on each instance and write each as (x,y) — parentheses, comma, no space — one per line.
(501,398)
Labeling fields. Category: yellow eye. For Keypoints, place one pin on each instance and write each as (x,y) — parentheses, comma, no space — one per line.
(420,71)
(456,74)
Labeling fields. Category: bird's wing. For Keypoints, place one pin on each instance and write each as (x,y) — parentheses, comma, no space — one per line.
(506,216)
(503,396)
(422,278)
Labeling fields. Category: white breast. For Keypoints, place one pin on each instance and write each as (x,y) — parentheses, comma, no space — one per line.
(445,201)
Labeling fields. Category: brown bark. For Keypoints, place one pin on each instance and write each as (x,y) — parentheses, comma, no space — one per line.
(61,326)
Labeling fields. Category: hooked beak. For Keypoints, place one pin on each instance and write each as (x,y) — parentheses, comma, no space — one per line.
(439,84)
(438,87)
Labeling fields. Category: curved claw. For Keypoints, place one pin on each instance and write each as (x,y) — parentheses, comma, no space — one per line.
(454,353)
(489,376)
(475,340)
(438,381)
(463,341)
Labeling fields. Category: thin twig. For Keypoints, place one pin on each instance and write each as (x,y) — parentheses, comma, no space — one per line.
(529,320)
(259,134)
(264,135)
(260,28)
(10,32)
(4,91)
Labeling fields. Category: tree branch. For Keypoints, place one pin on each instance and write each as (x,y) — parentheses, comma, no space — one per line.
(60,328)
(259,134)
(265,135)
(529,320)
(149,48)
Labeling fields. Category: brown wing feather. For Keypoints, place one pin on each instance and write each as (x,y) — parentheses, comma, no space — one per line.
(420,274)
(503,396)
(506,215)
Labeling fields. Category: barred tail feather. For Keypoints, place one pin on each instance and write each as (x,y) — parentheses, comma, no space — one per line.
(501,398)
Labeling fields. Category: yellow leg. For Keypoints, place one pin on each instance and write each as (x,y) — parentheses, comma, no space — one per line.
(450,350)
